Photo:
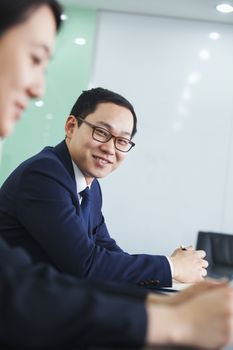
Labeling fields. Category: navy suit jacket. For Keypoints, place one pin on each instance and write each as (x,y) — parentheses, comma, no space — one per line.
(41,308)
(40,211)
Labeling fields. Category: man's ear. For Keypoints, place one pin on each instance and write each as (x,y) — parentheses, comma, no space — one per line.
(70,126)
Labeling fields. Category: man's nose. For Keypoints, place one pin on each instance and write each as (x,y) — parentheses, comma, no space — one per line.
(109,146)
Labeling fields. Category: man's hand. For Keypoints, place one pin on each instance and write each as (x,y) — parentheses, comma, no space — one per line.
(204,320)
(189,265)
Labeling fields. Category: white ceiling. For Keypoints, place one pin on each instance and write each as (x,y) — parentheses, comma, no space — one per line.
(191,9)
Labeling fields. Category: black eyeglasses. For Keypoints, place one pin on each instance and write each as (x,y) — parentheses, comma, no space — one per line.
(103,135)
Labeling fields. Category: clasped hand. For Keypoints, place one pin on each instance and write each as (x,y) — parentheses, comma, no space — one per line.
(189,265)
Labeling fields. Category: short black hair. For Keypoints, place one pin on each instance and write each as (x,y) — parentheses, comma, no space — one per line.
(90,99)
(13,12)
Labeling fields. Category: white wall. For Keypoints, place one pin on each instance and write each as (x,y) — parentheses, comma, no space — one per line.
(179,177)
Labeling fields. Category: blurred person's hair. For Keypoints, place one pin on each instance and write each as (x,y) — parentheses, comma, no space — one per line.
(14,12)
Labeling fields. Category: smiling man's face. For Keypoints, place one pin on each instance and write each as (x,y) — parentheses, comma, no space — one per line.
(93,158)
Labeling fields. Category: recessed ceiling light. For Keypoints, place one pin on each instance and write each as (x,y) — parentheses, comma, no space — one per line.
(80,41)
(64,17)
(182,110)
(186,95)
(177,125)
(194,78)
(204,55)
(214,36)
(49,116)
(39,103)
(224,8)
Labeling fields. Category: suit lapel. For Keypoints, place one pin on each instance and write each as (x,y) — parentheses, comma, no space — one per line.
(63,154)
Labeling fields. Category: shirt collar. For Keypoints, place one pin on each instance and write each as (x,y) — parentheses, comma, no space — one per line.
(79,179)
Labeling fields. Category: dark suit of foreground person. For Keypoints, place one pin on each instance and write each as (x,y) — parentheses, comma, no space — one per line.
(40,201)
(42,309)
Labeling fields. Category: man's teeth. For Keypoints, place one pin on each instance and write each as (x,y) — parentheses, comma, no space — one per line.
(103,161)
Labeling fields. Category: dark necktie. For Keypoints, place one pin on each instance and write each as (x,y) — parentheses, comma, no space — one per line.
(86,204)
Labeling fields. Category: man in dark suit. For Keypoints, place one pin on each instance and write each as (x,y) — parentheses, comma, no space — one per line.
(41,201)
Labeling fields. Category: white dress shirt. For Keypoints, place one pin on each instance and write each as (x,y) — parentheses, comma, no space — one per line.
(81,185)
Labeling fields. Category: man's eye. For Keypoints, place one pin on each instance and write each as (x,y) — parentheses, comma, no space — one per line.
(102,132)
(122,142)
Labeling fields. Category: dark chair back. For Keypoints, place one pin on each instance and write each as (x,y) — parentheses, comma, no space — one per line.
(219,253)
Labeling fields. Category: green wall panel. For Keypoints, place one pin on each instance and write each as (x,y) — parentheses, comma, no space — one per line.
(68,75)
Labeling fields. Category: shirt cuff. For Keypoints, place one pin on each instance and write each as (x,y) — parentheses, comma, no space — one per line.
(171,265)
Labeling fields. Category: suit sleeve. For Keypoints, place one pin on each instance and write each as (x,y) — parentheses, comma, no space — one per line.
(50,213)
(43,309)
